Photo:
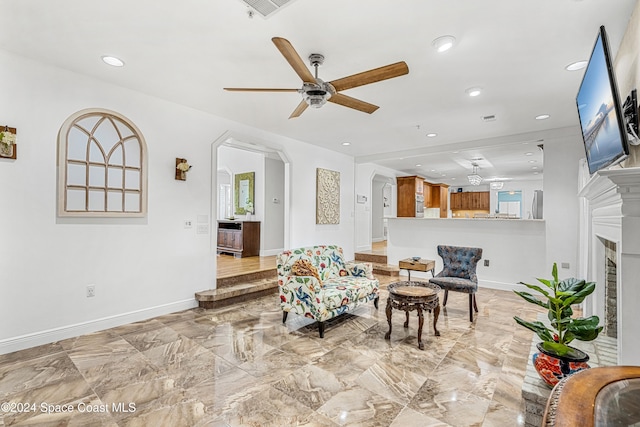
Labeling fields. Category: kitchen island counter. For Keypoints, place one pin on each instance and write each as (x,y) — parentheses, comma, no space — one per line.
(515,248)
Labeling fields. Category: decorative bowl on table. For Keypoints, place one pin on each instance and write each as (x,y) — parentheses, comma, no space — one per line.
(415,258)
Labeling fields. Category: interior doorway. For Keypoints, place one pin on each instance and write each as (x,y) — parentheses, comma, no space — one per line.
(382,200)
(234,154)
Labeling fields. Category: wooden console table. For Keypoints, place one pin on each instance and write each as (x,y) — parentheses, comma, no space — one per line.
(417,265)
(239,238)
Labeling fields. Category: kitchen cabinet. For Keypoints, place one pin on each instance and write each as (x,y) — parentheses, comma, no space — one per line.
(427,194)
(240,238)
(410,196)
(439,198)
(470,201)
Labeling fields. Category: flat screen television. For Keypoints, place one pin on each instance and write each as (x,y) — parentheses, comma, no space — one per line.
(601,117)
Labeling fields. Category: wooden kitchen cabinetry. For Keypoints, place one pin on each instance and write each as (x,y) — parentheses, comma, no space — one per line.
(438,198)
(427,194)
(410,194)
(239,238)
(470,201)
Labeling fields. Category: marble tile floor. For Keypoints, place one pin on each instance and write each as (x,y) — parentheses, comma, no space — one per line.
(240,366)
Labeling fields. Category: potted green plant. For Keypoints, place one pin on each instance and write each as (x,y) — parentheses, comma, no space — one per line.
(558,297)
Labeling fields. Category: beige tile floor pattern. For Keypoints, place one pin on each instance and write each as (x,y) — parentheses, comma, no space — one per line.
(240,366)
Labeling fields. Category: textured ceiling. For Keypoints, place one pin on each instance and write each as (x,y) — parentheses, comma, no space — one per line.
(187,51)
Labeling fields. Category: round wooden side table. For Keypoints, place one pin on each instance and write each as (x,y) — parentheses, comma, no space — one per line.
(409,296)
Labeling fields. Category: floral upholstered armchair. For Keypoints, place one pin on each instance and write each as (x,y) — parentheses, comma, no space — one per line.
(316,282)
(459,273)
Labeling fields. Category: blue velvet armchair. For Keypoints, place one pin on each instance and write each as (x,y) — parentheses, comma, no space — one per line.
(459,273)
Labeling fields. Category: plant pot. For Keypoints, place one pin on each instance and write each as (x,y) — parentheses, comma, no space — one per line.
(6,150)
(553,368)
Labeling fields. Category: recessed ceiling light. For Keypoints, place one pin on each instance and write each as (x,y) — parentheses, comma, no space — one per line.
(432,135)
(532,161)
(536,173)
(456,152)
(542,117)
(575,66)
(528,153)
(433,170)
(444,43)
(346,143)
(534,167)
(113,61)
(418,165)
(452,179)
(473,91)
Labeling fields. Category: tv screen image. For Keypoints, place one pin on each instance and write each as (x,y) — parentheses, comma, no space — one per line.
(603,129)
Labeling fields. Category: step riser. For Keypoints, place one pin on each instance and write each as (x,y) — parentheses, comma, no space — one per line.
(236,299)
(380,259)
(222,282)
(386,273)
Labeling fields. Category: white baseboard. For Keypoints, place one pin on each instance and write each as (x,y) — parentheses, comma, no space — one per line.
(378,239)
(490,284)
(502,286)
(270,252)
(22,342)
(363,248)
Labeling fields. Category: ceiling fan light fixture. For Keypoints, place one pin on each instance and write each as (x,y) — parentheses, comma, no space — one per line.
(497,185)
(444,43)
(316,98)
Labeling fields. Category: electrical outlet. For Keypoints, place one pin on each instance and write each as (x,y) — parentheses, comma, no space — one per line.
(486,263)
(566,265)
(91,291)
(188,223)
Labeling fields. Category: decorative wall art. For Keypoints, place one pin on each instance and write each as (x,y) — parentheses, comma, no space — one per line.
(243,195)
(8,147)
(182,167)
(102,166)
(327,196)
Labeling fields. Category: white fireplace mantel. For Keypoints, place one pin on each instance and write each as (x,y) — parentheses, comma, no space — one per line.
(610,187)
(612,211)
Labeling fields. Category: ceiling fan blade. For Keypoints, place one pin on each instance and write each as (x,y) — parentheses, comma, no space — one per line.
(257,89)
(371,76)
(292,57)
(354,103)
(299,109)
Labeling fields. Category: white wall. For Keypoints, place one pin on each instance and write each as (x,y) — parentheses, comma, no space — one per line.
(140,268)
(627,70)
(377,211)
(561,206)
(364,176)
(273,224)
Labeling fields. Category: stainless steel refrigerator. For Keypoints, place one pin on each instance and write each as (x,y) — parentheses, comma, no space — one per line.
(536,208)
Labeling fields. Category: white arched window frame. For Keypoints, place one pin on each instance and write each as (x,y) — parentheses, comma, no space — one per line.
(102,166)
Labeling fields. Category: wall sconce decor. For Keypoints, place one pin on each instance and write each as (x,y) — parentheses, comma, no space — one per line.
(8,148)
(182,167)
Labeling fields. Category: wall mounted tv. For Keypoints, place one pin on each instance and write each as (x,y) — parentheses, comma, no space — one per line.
(601,118)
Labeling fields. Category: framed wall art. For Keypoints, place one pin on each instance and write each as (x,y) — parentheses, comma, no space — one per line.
(327,196)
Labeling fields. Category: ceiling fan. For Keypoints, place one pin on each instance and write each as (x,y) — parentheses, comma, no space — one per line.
(316,92)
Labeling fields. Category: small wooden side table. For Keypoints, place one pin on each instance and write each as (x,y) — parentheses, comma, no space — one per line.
(409,296)
(417,265)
